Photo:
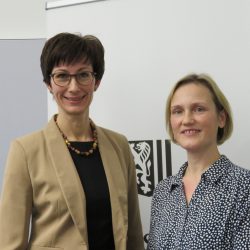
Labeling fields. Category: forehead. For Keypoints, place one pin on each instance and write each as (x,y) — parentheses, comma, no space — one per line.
(191,92)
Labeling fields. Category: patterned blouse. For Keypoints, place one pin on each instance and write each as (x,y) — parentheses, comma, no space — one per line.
(217,217)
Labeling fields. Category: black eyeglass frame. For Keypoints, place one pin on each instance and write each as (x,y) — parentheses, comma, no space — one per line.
(73,75)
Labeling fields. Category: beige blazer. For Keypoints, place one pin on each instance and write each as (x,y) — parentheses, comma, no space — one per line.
(41,183)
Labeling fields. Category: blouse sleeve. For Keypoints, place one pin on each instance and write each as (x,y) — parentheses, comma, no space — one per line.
(16,201)
(241,230)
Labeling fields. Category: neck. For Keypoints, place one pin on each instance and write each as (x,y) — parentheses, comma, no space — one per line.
(76,128)
(199,163)
(75,150)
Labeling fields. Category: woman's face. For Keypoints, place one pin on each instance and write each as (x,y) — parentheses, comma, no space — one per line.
(73,99)
(194,118)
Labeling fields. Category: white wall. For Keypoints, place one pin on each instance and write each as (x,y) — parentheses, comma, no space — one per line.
(149,46)
(22,19)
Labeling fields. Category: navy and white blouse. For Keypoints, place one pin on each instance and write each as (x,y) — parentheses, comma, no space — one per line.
(217,217)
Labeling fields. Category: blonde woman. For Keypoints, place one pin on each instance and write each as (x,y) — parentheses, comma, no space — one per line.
(207,204)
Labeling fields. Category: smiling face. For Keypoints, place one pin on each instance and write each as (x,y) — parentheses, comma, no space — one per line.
(194,118)
(73,99)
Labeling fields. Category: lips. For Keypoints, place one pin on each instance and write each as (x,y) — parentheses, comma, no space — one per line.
(190,131)
(74,99)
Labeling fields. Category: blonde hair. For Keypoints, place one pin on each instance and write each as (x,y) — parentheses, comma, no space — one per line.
(219,99)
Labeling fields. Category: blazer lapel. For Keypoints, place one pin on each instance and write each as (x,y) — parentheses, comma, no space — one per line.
(67,176)
(117,183)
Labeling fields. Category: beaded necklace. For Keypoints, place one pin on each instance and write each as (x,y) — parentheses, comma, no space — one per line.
(77,151)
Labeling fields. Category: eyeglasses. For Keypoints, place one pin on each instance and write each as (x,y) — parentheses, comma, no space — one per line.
(63,78)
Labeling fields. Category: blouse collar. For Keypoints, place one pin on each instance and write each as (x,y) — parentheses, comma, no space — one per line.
(212,174)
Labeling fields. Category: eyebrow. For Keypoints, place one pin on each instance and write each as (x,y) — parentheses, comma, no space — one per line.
(192,104)
(175,106)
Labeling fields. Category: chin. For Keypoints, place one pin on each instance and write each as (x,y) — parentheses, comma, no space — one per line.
(75,112)
(190,147)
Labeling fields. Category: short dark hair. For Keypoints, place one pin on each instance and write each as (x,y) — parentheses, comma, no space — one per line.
(68,48)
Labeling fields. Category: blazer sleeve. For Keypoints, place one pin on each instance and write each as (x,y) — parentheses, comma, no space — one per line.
(16,201)
(135,234)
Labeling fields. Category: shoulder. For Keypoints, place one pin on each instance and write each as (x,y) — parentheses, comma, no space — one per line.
(29,144)
(238,174)
(236,180)
(37,136)
(28,139)
(110,135)
(31,137)
(163,187)
(167,185)
(22,150)
(162,195)
(35,140)
(239,178)
(110,139)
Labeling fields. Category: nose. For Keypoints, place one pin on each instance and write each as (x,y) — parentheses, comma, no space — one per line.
(73,84)
(188,117)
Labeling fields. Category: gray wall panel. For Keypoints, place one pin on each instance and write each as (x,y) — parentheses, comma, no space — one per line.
(23,95)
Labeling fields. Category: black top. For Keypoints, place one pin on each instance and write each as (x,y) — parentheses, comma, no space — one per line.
(98,208)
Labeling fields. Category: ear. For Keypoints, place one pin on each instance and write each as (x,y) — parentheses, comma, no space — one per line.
(97,84)
(222,118)
(49,87)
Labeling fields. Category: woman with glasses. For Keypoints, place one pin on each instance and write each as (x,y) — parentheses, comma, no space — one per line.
(71,185)
(206,205)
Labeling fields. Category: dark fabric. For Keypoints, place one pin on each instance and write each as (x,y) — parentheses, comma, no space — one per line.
(95,185)
(217,217)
